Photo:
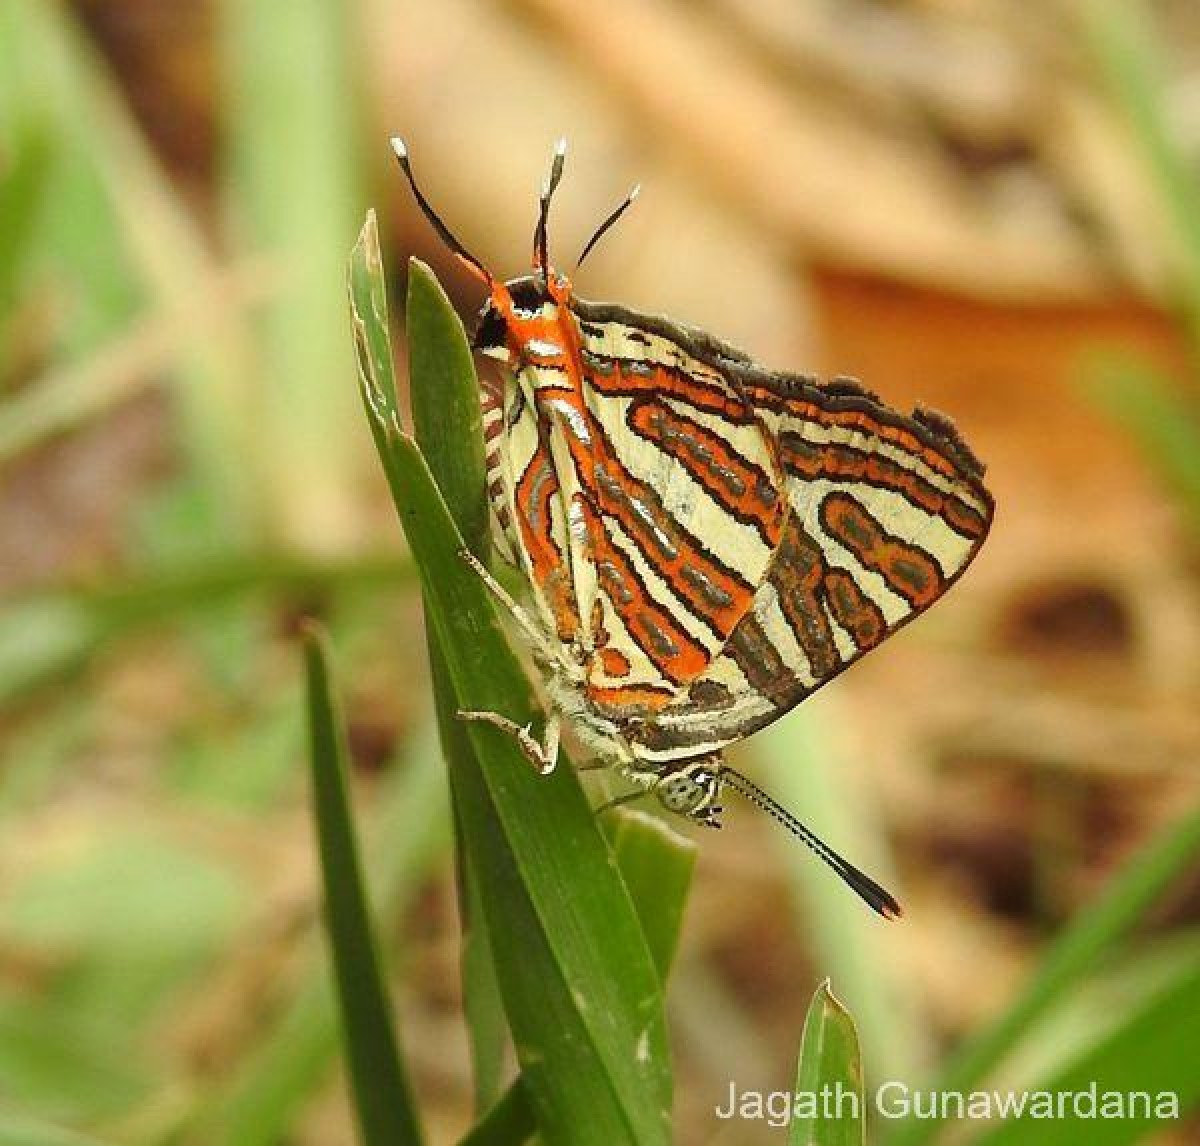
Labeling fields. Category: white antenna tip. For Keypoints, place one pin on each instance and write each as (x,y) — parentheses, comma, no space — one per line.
(560,148)
(637,190)
(399,147)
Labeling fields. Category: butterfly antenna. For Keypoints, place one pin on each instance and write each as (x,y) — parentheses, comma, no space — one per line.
(603,228)
(541,240)
(444,233)
(875,896)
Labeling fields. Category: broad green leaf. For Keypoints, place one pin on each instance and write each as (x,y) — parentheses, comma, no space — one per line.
(1152,1051)
(578,981)
(830,1105)
(382,1096)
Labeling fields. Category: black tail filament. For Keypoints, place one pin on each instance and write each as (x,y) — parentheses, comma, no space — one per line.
(872,894)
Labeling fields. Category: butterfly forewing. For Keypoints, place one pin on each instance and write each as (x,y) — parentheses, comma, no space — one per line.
(688,509)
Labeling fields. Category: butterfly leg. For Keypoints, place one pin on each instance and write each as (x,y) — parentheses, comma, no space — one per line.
(532,631)
(543,756)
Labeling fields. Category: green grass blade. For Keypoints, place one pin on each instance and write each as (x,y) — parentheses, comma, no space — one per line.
(509,1122)
(579,985)
(445,404)
(292,197)
(1153,410)
(483,1006)
(1122,40)
(55,69)
(1093,933)
(1153,1050)
(810,775)
(446,418)
(656,864)
(383,1099)
(24,179)
(830,1105)
(53,632)
(259,1101)
(18,1130)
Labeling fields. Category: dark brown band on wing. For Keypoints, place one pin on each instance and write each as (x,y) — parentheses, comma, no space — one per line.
(907,569)
(798,574)
(841,462)
(854,610)
(743,489)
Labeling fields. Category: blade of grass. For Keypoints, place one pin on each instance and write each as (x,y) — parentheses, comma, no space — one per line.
(24,181)
(1153,1051)
(509,1122)
(56,70)
(810,776)
(445,407)
(383,1098)
(1123,43)
(1094,932)
(1154,412)
(292,195)
(579,985)
(20,1130)
(483,1006)
(74,393)
(830,1105)
(656,864)
(53,632)
(258,1105)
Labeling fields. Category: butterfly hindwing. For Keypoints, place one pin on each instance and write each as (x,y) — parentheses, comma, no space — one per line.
(887,512)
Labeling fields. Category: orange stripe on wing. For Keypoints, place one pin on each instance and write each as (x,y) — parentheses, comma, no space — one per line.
(871,425)
(705,586)
(661,380)
(743,489)
(536,492)
(838,462)
(667,645)
(908,570)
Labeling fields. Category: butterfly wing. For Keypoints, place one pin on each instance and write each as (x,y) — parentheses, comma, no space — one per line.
(528,508)
(687,507)
(887,511)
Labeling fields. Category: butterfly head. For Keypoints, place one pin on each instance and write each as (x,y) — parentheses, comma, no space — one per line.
(521,300)
(692,789)
(507,315)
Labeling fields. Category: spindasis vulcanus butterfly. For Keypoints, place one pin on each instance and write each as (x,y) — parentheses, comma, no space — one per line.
(705,542)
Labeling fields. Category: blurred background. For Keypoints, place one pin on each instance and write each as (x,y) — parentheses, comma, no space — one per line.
(986,206)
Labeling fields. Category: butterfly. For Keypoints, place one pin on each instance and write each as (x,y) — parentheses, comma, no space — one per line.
(705,542)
